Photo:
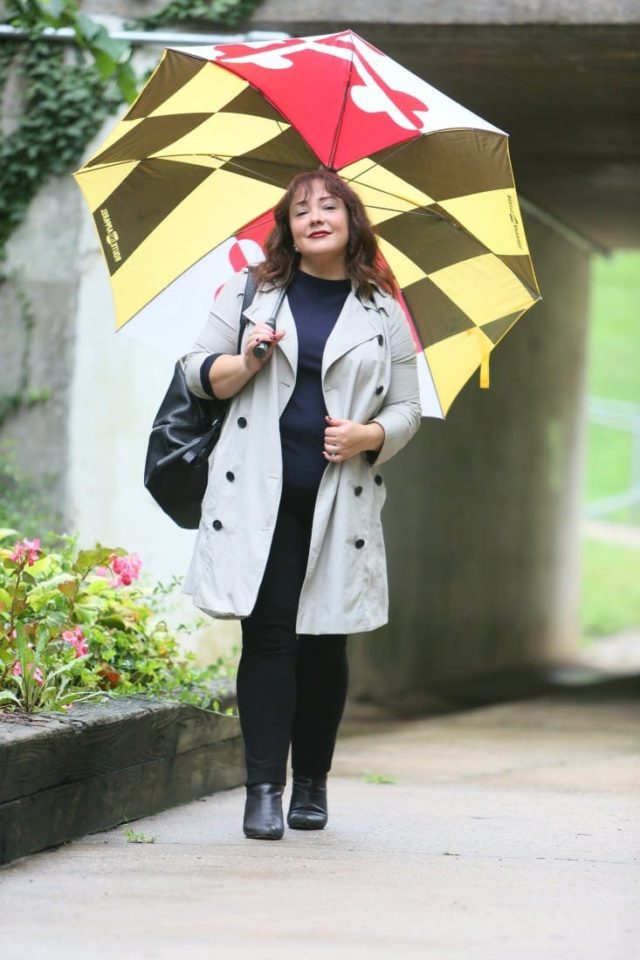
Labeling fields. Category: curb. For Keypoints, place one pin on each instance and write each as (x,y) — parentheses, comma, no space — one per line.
(63,777)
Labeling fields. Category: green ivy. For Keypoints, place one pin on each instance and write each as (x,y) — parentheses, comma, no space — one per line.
(221,13)
(110,57)
(65,101)
(64,106)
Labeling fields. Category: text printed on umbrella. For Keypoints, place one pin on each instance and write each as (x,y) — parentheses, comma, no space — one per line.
(111,237)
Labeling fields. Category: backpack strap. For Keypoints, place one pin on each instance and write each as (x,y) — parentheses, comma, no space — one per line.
(247,300)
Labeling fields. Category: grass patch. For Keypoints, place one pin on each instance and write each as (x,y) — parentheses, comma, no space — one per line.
(614,337)
(609,465)
(610,571)
(131,836)
(610,588)
(613,365)
(378,778)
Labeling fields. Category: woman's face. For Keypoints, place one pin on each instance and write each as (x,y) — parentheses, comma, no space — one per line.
(320,225)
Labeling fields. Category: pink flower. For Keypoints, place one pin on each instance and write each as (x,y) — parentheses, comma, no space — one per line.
(77,640)
(37,673)
(127,569)
(26,550)
(102,572)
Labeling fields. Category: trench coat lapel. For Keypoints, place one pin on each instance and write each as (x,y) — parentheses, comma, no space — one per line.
(358,321)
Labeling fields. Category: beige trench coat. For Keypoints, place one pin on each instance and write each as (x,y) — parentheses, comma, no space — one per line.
(368,372)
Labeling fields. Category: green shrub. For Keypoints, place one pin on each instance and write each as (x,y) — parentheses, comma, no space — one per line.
(75,625)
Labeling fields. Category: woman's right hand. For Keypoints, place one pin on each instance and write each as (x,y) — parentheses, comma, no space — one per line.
(262,332)
(229,373)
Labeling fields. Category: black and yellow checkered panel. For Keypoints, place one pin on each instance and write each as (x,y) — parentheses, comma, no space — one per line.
(198,138)
(449,226)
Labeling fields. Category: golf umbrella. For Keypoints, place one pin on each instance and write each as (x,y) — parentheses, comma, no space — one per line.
(183,189)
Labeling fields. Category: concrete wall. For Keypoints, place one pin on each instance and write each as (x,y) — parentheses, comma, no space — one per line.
(447,11)
(43,279)
(483,509)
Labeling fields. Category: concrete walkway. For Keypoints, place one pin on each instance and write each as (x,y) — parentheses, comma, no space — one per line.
(510,831)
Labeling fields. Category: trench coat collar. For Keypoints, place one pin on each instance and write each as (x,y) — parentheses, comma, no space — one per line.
(358,320)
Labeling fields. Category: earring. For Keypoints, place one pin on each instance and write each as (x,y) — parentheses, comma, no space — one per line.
(295,249)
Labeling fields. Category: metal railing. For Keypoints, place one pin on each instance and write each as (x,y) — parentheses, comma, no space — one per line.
(159,38)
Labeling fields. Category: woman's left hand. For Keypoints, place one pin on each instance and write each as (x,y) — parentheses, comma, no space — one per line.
(344,439)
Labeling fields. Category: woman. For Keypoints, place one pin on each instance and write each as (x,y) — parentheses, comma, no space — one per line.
(290,539)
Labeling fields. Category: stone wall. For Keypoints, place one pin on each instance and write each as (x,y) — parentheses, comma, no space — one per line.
(451,11)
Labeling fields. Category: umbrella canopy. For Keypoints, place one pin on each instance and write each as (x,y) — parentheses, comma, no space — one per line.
(182,191)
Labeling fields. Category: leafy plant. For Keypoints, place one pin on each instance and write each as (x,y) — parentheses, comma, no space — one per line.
(111,57)
(75,625)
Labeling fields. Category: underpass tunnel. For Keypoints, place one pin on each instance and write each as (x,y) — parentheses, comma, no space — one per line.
(484,510)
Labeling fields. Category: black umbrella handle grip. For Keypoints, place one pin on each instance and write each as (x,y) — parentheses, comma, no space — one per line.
(260,350)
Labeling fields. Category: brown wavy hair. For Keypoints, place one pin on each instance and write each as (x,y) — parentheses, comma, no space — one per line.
(365,266)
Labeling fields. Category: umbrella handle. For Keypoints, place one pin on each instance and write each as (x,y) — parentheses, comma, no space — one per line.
(260,350)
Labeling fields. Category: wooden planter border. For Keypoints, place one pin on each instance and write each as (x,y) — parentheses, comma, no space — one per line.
(100,765)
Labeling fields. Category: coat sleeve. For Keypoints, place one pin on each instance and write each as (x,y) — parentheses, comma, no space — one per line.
(218,335)
(400,414)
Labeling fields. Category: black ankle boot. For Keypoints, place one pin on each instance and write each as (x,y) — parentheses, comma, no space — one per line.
(263,818)
(308,807)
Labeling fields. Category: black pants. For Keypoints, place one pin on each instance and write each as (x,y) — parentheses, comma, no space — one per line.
(291,688)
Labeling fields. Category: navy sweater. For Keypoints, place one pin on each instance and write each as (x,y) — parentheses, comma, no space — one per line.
(315,305)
